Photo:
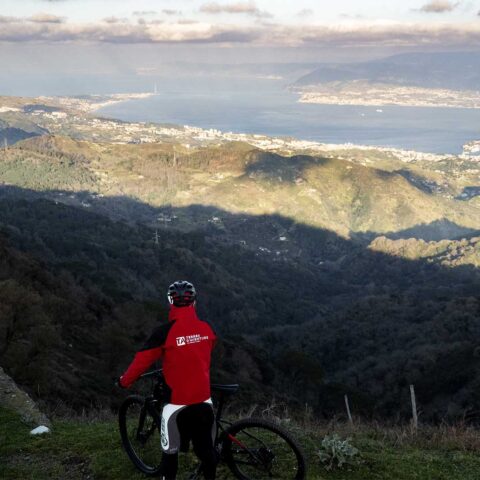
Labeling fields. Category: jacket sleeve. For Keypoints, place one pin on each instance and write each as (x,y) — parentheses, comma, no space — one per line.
(140,364)
(149,353)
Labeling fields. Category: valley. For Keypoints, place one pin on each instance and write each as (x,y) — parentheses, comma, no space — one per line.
(359,256)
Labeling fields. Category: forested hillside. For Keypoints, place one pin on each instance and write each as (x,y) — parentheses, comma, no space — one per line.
(368,323)
(325,273)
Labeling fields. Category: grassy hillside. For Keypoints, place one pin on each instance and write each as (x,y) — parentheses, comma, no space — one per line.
(83,448)
(342,194)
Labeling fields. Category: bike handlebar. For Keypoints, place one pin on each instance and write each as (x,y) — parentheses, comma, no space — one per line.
(228,389)
(154,373)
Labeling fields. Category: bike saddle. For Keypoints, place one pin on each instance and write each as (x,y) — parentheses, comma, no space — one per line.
(227,389)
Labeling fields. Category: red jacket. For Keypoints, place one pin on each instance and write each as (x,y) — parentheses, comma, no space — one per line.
(185,345)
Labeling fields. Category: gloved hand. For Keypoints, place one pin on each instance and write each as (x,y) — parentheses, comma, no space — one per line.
(118,383)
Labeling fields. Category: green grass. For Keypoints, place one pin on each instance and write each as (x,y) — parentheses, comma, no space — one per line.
(87,449)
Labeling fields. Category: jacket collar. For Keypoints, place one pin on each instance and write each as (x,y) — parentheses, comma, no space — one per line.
(182,313)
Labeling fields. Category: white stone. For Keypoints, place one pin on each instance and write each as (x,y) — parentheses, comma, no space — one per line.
(40,430)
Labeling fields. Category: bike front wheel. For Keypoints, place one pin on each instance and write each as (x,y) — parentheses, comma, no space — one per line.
(256,449)
(140,434)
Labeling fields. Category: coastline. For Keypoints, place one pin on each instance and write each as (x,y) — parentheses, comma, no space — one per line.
(274,142)
(359,93)
(305,98)
(90,105)
(120,98)
(93,103)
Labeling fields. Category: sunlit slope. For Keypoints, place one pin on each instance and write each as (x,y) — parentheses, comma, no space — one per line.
(446,252)
(335,194)
(340,194)
(44,163)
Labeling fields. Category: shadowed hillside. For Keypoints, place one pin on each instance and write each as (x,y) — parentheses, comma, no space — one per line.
(336,317)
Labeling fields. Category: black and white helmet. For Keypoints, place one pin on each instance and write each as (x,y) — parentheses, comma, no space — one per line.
(181,293)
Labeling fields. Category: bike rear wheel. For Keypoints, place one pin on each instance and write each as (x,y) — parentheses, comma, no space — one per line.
(140,434)
(256,449)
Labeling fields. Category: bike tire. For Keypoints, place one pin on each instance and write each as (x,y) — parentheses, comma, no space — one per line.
(256,449)
(145,451)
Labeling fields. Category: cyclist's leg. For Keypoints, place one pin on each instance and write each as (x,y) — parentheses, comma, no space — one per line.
(199,421)
(169,466)
(170,439)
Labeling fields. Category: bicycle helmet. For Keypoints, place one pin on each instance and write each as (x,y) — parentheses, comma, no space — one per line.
(181,293)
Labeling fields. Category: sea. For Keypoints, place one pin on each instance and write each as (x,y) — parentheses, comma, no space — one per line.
(266,105)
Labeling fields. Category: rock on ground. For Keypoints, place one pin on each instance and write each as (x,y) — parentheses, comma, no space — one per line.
(12,397)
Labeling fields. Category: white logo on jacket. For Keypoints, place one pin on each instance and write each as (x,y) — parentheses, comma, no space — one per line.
(189,339)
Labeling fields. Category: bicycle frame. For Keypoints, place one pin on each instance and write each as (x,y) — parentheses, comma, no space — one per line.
(221,433)
(151,406)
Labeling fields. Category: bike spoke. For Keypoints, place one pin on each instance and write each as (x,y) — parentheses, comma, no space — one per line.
(144,437)
(259,453)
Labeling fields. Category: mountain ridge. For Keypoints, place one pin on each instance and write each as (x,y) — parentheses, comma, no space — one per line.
(451,70)
(331,192)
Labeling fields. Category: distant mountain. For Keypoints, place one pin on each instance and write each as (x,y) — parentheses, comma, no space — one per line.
(15,127)
(9,135)
(449,70)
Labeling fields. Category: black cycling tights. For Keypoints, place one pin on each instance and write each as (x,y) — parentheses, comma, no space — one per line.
(195,423)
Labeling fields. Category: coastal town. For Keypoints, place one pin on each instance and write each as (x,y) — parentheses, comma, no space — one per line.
(79,118)
(372,94)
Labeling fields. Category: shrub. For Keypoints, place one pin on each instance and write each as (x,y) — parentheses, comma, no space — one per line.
(337,453)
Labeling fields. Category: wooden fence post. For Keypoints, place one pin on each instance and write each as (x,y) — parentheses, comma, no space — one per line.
(347,405)
(414,407)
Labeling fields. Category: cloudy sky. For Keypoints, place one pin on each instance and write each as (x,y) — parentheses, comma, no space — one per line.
(283,11)
(48,45)
(442,23)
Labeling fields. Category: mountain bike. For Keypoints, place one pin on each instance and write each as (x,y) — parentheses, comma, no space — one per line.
(252,448)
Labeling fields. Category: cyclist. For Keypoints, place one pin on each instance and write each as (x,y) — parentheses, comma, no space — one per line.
(184,344)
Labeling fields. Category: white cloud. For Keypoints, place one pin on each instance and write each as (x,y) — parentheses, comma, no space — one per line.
(306,12)
(439,6)
(247,8)
(113,20)
(46,18)
(4,19)
(187,21)
(168,11)
(144,13)
(118,30)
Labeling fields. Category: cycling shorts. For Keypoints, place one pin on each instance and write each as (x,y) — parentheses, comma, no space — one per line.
(173,435)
